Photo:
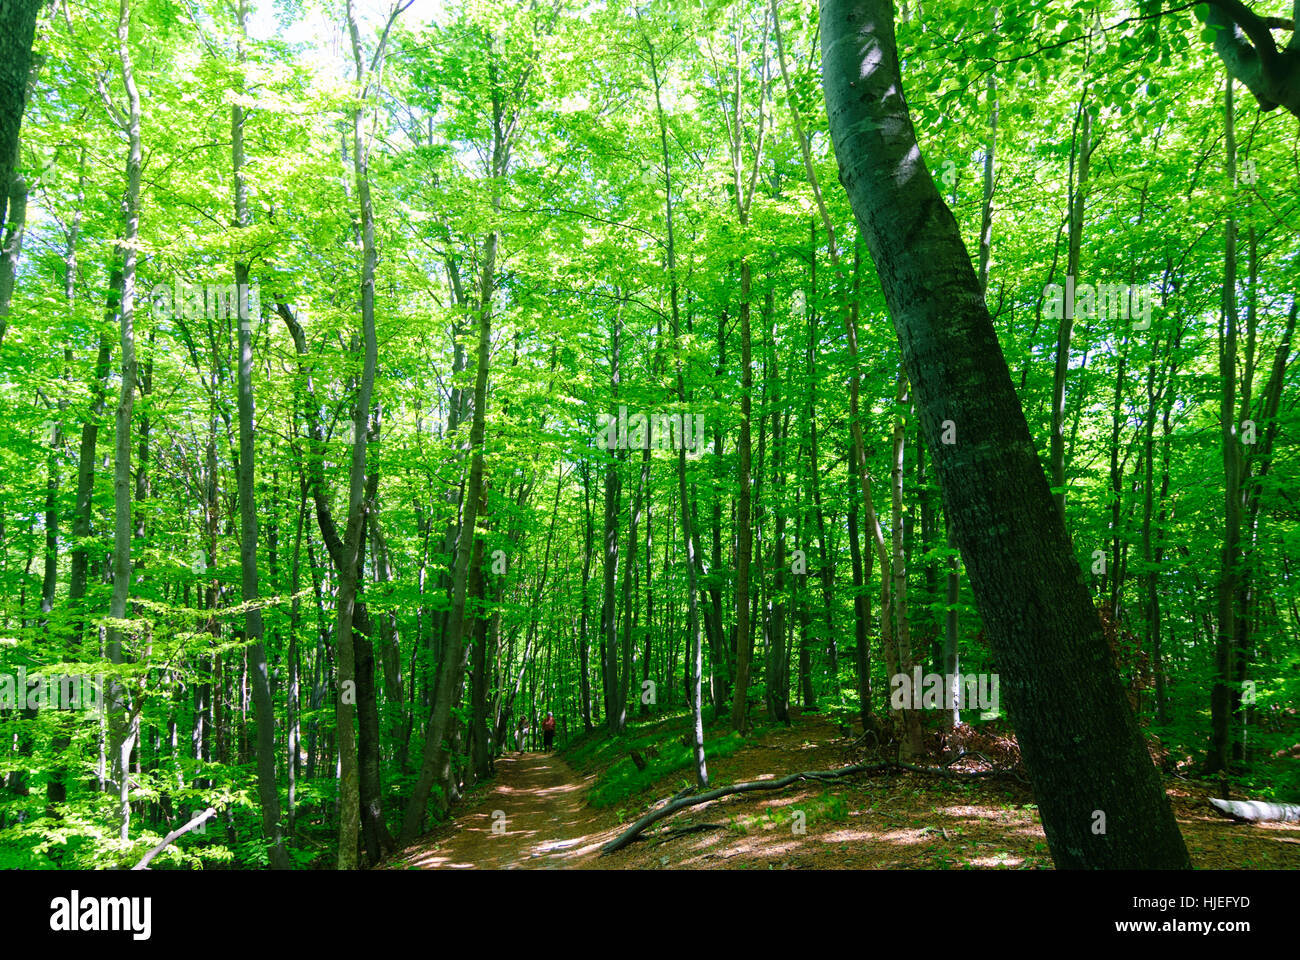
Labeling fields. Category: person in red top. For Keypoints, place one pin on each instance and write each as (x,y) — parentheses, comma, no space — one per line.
(548,730)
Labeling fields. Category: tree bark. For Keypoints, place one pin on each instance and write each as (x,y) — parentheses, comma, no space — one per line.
(696,670)
(1228,640)
(17,34)
(268,792)
(122,718)
(1079,739)
(1065,325)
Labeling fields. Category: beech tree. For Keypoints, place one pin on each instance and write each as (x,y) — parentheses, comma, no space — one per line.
(579,387)
(1079,737)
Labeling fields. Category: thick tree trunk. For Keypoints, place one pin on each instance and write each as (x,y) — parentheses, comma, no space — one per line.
(1090,768)
(1243,41)
(17,34)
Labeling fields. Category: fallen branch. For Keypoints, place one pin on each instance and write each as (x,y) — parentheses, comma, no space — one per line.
(666,811)
(198,821)
(1257,811)
(676,796)
(683,803)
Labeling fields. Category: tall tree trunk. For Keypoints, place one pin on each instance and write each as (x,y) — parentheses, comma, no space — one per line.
(434,757)
(743,196)
(349,569)
(1228,641)
(17,34)
(696,668)
(123,719)
(858,461)
(777,681)
(1079,739)
(584,641)
(83,509)
(267,790)
(744,541)
(639,498)
(1065,325)
(614,712)
(902,626)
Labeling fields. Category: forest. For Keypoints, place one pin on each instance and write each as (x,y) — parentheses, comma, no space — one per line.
(735,434)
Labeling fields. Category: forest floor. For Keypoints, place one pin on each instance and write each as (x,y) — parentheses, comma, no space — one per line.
(541,809)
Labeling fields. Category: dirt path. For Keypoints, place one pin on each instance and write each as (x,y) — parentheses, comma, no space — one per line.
(537,805)
(534,817)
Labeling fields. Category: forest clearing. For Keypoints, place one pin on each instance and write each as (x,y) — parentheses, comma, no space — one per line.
(685,434)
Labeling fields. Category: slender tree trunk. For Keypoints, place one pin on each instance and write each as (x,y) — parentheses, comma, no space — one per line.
(435,757)
(744,541)
(696,669)
(584,642)
(349,569)
(1223,698)
(777,683)
(902,626)
(614,712)
(1065,325)
(268,792)
(122,717)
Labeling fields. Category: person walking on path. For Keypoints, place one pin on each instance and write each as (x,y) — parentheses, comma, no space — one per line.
(548,730)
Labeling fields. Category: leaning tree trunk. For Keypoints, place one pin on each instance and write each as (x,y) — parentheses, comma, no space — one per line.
(435,753)
(17,34)
(1099,795)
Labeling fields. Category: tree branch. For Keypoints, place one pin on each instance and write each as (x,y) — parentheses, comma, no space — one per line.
(198,820)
